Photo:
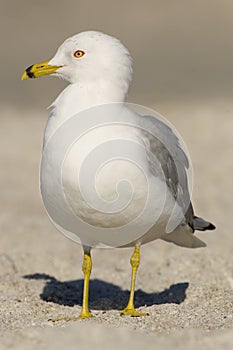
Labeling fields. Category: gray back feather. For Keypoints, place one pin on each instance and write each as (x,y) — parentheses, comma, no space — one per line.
(163,145)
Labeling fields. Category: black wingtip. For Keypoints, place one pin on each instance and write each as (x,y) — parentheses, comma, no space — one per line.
(202,225)
(210,227)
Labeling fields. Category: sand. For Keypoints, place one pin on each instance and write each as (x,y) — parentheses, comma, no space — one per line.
(187,293)
(185,61)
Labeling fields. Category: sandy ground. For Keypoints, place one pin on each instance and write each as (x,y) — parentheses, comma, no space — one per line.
(182,52)
(188,293)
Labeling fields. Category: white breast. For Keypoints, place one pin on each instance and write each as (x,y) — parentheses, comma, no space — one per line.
(106,181)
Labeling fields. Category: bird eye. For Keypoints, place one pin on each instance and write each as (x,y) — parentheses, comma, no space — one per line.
(79,53)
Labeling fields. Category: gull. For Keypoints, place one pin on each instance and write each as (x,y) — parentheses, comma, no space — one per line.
(98,68)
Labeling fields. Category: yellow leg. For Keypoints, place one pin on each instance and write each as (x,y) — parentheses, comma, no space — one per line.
(134,261)
(85,313)
(86,268)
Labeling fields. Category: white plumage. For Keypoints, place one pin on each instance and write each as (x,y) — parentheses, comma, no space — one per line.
(99,70)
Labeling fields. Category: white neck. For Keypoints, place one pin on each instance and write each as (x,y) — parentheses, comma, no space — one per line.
(78,97)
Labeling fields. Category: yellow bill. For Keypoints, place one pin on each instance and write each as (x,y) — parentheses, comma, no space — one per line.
(39,69)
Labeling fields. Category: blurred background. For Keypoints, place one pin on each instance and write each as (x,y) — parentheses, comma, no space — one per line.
(182,50)
(183,68)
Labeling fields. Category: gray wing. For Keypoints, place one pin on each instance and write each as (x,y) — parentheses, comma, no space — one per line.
(163,144)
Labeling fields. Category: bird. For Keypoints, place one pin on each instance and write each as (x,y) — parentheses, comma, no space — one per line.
(98,69)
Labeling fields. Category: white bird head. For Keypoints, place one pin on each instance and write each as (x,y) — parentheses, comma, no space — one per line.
(89,56)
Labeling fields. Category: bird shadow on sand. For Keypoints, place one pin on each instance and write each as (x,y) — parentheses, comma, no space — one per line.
(104,295)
